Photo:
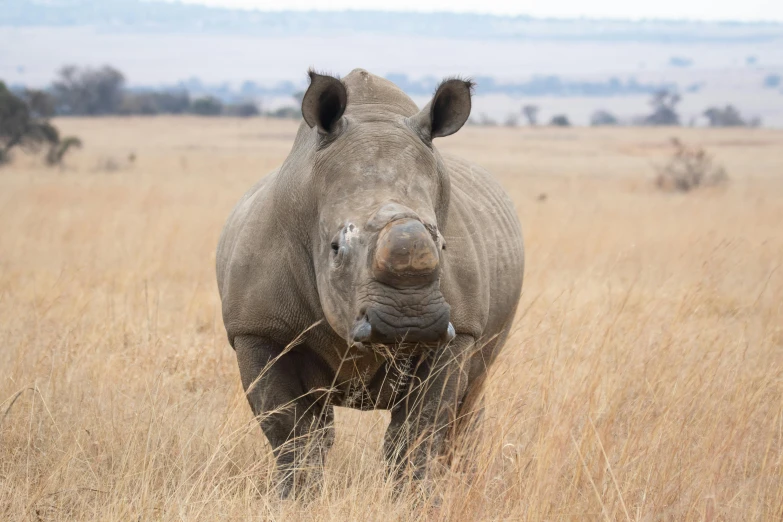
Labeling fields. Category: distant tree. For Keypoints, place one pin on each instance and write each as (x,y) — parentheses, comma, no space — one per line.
(207,106)
(155,102)
(88,91)
(726,117)
(243,110)
(602,117)
(172,102)
(41,103)
(560,120)
(729,117)
(531,114)
(138,103)
(20,128)
(664,104)
(772,81)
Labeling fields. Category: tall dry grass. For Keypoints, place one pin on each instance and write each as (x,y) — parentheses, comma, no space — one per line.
(644,379)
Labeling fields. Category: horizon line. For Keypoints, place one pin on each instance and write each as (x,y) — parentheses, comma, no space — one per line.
(553,18)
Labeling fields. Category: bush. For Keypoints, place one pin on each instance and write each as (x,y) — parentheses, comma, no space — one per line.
(602,117)
(242,110)
(207,106)
(689,168)
(560,120)
(726,117)
(155,102)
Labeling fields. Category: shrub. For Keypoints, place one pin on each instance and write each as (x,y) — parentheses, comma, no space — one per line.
(602,117)
(560,120)
(726,117)
(207,106)
(155,102)
(242,110)
(689,168)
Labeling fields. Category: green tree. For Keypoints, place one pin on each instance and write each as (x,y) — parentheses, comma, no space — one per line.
(20,128)
(87,91)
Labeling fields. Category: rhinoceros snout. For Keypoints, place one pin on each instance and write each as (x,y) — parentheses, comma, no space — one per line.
(406,254)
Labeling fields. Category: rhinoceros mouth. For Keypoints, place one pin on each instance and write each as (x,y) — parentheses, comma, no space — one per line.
(391,316)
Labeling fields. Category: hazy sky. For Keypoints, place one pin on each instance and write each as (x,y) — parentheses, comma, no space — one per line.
(761,10)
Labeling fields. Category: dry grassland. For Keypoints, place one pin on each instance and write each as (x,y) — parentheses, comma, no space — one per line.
(644,380)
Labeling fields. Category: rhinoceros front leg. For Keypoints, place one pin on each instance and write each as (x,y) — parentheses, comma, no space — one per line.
(297,421)
(422,419)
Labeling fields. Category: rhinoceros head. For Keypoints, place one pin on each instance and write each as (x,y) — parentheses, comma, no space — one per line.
(382,202)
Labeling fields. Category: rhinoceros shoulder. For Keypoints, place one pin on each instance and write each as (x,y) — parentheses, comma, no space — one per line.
(484,256)
(250,204)
(261,279)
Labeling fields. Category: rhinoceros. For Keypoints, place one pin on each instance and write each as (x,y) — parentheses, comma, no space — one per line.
(369,271)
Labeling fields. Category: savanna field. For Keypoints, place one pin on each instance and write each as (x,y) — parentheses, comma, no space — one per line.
(643,380)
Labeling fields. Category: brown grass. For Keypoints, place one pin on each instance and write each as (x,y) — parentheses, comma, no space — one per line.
(644,380)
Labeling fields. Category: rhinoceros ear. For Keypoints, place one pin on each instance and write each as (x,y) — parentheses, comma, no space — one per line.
(324,102)
(448,110)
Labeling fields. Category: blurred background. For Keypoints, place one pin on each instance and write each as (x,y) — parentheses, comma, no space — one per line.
(596,63)
(640,143)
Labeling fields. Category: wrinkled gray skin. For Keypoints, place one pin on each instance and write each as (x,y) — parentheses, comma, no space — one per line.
(372,272)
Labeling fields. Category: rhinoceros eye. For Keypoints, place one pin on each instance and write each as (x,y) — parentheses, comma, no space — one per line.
(337,245)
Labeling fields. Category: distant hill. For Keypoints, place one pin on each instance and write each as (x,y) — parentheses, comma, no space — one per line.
(157,16)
